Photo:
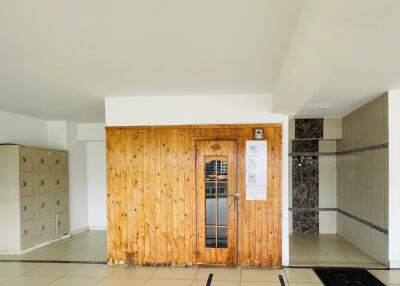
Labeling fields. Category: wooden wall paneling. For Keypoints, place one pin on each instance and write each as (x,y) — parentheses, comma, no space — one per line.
(270,217)
(175,198)
(168,204)
(187,198)
(151,195)
(193,197)
(277,198)
(264,221)
(244,235)
(157,193)
(110,195)
(164,197)
(133,203)
(140,205)
(129,192)
(118,199)
(181,197)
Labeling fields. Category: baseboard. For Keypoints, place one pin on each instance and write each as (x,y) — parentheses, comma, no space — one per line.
(79,230)
(25,251)
(96,227)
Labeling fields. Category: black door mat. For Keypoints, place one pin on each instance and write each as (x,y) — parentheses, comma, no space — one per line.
(346,277)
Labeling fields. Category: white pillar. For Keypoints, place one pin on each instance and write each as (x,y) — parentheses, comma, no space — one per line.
(394,178)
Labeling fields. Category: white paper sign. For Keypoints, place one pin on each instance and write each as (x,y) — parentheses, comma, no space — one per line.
(256,170)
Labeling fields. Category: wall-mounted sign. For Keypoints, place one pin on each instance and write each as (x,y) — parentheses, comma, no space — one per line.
(256,170)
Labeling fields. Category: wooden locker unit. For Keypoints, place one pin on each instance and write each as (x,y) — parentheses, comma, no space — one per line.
(33,196)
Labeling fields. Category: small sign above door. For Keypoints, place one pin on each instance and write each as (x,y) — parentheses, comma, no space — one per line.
(256,170)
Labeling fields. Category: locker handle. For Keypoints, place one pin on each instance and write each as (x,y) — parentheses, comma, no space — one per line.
(41,160)
(57,182)
(23,183)
(59,223)
(25,232)
(25,208)
(42,183)
(57,161)
(42,205)
(42,227)
(58,203)
(23,160)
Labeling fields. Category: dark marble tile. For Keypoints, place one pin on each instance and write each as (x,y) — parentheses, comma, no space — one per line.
(305,194)
(309,146)
(305,221)
(309,128)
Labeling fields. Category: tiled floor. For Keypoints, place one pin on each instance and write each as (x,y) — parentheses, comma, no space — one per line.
(87,246)
(60,274)
(328,250)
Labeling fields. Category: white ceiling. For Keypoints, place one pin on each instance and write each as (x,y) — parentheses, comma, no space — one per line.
(343,53)
(59,59)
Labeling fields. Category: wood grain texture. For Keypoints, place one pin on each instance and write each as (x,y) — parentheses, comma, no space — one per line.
(151,195)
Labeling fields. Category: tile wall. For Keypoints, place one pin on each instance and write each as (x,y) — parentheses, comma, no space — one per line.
(362,179)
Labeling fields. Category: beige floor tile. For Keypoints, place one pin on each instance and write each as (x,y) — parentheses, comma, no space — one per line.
(52,269)
(271,275)
(121,282)
(86,246)
(216,283)
(16,268)
(306,284)
(326,250)
(225,274)
(91,270)
(301,275)
(335,264)
(168,282)
(362,259)
(301,258)
(331,258)
(387,276)
(75,281)
(175,273)
(255,283)
(133,272)
(31,281)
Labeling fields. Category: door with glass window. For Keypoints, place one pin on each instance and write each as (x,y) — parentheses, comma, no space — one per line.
(217,202)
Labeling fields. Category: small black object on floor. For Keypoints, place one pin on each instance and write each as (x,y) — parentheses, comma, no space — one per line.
(346,277)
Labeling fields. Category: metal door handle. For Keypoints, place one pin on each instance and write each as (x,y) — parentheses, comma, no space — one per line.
(235,195)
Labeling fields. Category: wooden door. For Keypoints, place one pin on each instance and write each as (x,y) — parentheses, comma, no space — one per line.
(217,202)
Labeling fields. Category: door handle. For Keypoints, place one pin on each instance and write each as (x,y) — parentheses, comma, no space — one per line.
(235,196)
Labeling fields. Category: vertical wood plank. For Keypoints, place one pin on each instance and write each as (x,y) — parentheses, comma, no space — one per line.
(111,246)
(277,260)
(140,206)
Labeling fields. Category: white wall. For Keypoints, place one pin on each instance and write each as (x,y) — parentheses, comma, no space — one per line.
(96,185)
(77,180)
(190,109)
(20,129)
(394,178)
(91,131)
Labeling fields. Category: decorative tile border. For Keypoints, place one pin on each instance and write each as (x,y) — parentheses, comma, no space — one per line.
(312,154)
(363,149)
(313,209)
(363,221)
(355,150)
